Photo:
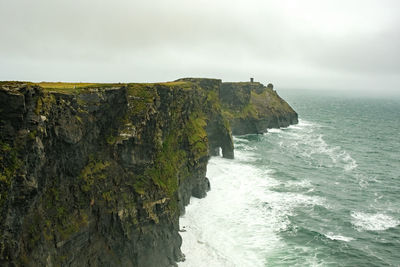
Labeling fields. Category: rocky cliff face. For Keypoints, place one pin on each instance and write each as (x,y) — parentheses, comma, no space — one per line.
(97,175)
(252,108)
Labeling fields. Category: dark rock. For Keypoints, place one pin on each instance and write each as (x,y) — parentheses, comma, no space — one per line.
(252,108)
(99,175)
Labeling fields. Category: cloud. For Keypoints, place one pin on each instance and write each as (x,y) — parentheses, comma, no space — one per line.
(320,44)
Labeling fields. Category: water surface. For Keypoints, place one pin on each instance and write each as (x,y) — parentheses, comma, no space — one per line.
(324,192)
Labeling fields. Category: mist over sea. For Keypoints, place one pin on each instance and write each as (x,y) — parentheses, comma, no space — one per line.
(324,192)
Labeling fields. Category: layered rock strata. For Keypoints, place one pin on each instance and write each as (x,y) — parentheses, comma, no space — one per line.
(97,175)
(252,108)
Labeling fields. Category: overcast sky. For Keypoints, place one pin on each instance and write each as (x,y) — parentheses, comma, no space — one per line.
(316,44)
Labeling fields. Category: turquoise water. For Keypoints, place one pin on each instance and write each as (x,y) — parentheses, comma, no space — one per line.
(324,192)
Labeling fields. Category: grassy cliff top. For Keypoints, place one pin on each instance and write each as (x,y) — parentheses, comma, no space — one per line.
(242,83)
(76,88)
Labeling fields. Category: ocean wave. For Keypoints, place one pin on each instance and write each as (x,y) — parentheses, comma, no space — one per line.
(234,201)
(307,140)
(272,190)
(242,197)
(307,233)
(332,236)
(314,149)
(362,179)
(240,139)
(274,130)
(373,221)
(302,127)
(280,205)
(206,255)
(349,163)
(243,146)
(245,156)
(303,183)
(304,123)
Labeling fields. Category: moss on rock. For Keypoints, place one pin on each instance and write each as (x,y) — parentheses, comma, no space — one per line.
(253,108)
(93,172)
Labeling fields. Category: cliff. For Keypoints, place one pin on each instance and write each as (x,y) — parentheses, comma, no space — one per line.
(252,108)
(98,174)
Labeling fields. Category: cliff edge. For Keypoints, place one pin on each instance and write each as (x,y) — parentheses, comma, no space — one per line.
(98,174)
(252,108)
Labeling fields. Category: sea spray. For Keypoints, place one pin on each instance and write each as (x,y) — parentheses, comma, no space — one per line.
(323,192)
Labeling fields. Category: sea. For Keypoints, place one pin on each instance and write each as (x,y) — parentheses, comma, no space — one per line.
(324,192)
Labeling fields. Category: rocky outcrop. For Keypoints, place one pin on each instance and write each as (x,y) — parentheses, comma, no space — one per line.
(218,128)
(252,108)
(97,175)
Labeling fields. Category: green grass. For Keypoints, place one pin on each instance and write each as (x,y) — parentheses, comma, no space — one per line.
(247,111)
(76,88)
(92,172)
(10,163)
(167,165)
(197,135)
(63,85)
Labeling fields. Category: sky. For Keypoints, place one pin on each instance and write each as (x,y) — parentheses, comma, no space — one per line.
(343,45)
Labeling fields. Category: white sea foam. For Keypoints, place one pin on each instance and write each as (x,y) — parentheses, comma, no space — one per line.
(373,221)
(243,146)
(332,236)
(245,156)
(239,139)
(362,180)
(273,130)
(304,123)
(303,184)
(238,223)
(300,126)
(350,163)
(310,144)
(228,228)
